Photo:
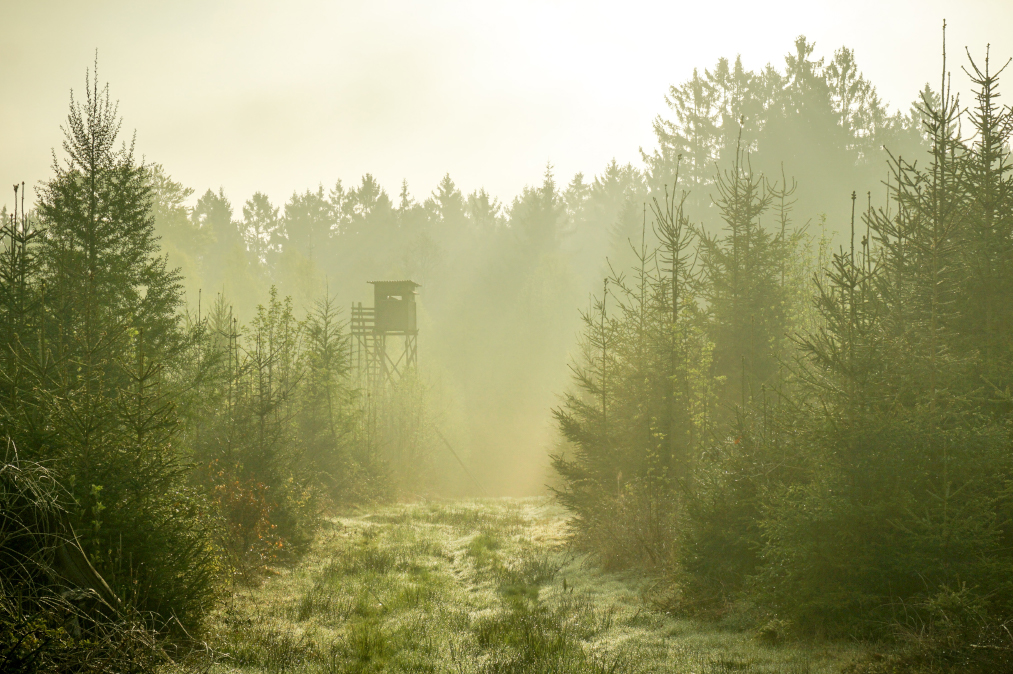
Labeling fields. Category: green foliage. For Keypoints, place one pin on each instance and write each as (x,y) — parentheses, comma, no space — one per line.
(855,472)
(910,483)
(822,119)
(186,445)
(665,352)
(89,384)
(272,425)
(44,627)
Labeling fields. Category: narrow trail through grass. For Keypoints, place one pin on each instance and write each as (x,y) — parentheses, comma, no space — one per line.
(483,586)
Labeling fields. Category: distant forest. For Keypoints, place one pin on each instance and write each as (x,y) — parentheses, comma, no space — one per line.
(791,352)
(500,281)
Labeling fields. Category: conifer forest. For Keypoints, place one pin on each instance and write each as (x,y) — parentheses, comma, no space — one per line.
(739,403)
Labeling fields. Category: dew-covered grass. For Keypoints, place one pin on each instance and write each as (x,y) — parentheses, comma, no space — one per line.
(485,586)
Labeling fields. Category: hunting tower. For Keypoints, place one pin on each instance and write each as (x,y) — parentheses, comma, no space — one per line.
(379,331)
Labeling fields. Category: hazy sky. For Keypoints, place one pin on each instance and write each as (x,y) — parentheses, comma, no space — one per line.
(278,96)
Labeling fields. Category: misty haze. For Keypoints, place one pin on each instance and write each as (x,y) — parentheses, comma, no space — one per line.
(474,337)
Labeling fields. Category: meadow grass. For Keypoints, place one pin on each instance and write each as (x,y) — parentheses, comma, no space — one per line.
(485,586)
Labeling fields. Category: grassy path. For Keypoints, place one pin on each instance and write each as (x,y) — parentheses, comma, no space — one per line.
(472,586)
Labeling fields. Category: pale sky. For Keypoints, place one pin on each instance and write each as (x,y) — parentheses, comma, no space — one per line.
(280,96)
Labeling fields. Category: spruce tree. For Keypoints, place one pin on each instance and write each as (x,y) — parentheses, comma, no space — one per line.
(112,338)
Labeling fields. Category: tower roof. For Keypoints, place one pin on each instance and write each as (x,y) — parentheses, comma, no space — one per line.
(413,284)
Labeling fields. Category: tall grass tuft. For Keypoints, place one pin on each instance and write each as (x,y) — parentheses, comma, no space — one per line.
(56,613)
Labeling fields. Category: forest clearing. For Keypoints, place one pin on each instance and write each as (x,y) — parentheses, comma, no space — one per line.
(476,586)
(737,400)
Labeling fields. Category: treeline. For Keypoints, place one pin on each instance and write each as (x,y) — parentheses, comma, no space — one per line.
(821,440)
(818,118)
(821,120)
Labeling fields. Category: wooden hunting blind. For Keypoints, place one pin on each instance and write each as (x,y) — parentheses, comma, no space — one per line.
(394,303)
(375,330)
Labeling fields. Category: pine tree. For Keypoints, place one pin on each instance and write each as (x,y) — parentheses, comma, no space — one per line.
(110,337)
(262,229)
(987,235)
(742,270)
(308,222)
(324,419)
